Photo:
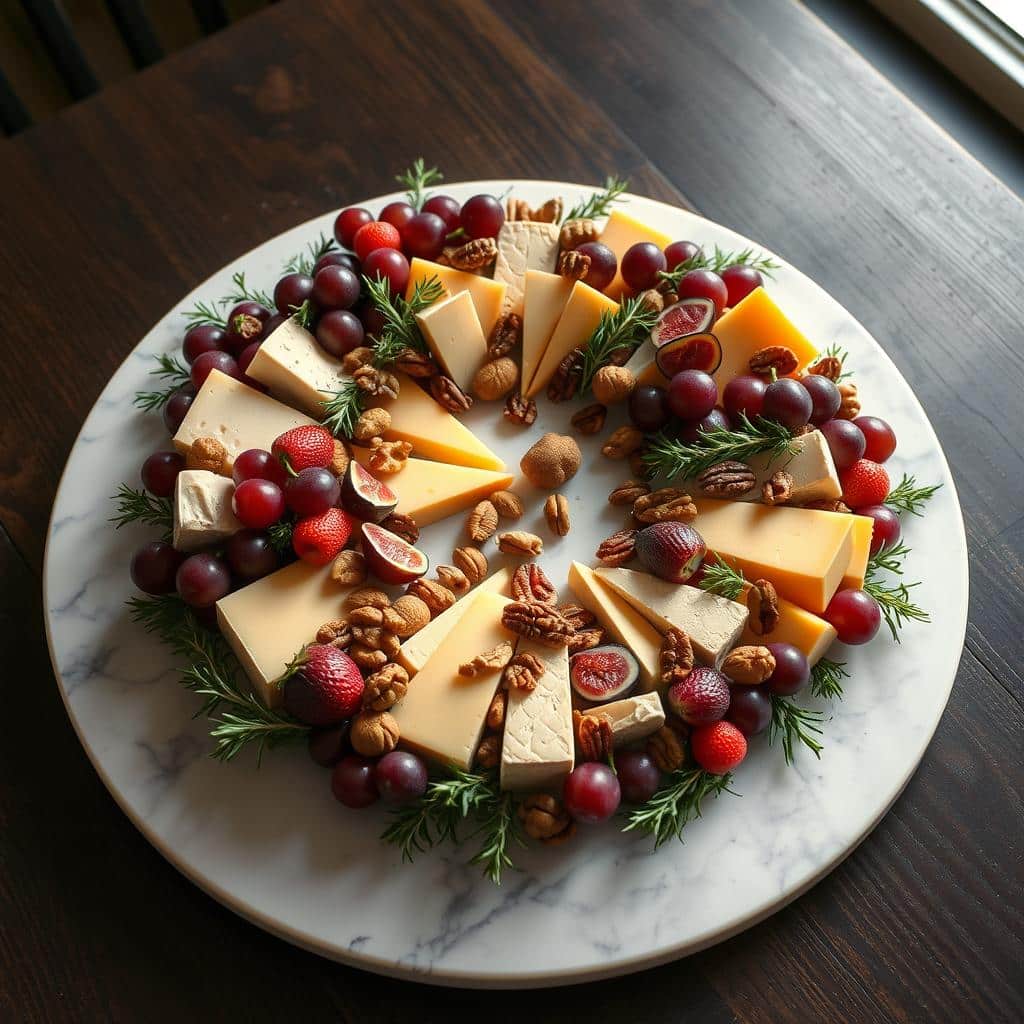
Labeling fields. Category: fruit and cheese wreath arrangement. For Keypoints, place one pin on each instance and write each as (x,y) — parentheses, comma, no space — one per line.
(315,432)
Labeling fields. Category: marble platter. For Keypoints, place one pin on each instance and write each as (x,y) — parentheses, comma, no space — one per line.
(274,846)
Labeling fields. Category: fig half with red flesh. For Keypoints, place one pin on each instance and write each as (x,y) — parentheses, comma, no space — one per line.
(389,558)
(365,496)
(671,550)
(694,352)
(603,673)
(688,316)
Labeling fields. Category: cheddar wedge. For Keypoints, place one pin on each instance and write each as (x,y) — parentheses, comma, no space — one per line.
(488,295)
(622,231)
(544,298)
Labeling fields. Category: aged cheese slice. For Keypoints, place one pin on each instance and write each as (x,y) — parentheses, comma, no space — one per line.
(621,620)
(579,319)
(296,369)
(488,295)
(632,718)
(236,415)
(414,653)
(713,623)
(442,714)
(803,551)
(544,298)
(268,622)
(860,537)
(429,491)
(538,749)
(800,628)
(202,510)
(523,245)
(452,330)
(620,232)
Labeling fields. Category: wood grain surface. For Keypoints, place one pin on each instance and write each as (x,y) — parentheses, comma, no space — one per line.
(752,113)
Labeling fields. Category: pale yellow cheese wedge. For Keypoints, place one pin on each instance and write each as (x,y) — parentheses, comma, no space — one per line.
(623,231)
(632,718)
(813,635)
(488,295)
(860,552)
(544,298)
(442,714)
(452,330)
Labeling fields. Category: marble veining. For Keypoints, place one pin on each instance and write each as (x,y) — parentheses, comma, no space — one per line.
(274,845)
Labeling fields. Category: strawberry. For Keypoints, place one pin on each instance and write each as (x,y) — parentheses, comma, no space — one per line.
(718,747)
(378,234)
(864,483)
(302,447)
(703,696)
(318,539)
(326,687)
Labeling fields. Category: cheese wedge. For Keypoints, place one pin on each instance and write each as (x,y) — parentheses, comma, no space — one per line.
(202,510)
(296,369)
(538,749)
(523,245)
(622,231)
(429,491)
(416,651)
(578,321)
(860,536)
(236,415)
(544,298)
(803,551)
(488,295)
(800,628)
(632,718)
(713,623)
(452,330)
(269,621)
(621,620)
(442,714)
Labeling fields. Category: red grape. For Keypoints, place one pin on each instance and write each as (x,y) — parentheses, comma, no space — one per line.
(825,397)
(424,235)
(592,793)
(690,431)
(638,775)
(251,555)
(336,259)
(245,357)
(648,408)
(177,407)
(740,281)
(680,252)
(855,615)
(886,531)
(397,214)
(272,325)
(257,464)
(160,472)
(447,209)
(312,491)
(352,782)
(377,234)
(879,438)
(787,401)
(845,442)
(744,395)
(154,568)
(328,745)
(202,580)
(603,264)
(482,217)
(750,709)
(348,222)
(201,338)
(245,324)
(703,284)
(641,264)
(339,331)
(389,264)
(371,318)
(335,288)
(792,670)
(692,394)
(210,361)
(258,503)
(400,777)
(291,292)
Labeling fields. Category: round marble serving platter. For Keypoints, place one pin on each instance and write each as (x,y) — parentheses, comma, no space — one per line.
(274,846)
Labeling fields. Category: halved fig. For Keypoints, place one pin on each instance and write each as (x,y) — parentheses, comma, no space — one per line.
(694,352)
(687,316)
(365,496)
(603,673)
(389,558)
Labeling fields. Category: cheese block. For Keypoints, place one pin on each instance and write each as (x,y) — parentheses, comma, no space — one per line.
(803,551)
(622,231)
(632,718)
(488,295)
(523,245)
(291,363)
(544,298)
(578,321)
(623,622)
(415,652)
(429,491)
(236,415)
(268,622)
(442,714)
(202,510)
(800,628)
(860,552)
(713,623)
(538,749)
(452,330)
(431,430)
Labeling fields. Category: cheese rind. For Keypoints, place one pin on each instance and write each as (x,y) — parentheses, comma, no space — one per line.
(488,295)
(416,651)
(523,245)
(452,330)
(544,298)
(202,510)
(269,621)
(621,620)
(442,714)
(622,231)
(713,623)
(538,749)
(802,629)
(632,718)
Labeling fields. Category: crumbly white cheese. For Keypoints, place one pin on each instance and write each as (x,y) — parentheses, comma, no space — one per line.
(523,245)
(202,510)
(632,718)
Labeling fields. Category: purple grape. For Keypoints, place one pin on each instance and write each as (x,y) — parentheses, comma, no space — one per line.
(692,394)
(638,775)
(251,555)
(400,777)
(312,491)
(825,397)
(787,402)
(202,580)
(750,709)
(792,670)
(154,568)
(845,442)
(352,782)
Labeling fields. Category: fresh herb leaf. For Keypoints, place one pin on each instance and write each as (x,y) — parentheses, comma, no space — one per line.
(718,260)
(827,679)
(600,203)
(722,579)
(243,293)
(894,600)
(173,372)
(678,802)
(794,724)
(498,830)
(280,534)
(625,328)
(205,313)
(303,315)
(416,180)
(906,496)
(835,352)
(141,507)
(342,410)
(304,262)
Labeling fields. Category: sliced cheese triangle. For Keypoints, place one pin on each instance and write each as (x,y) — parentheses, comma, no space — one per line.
(544,298)
(487,294)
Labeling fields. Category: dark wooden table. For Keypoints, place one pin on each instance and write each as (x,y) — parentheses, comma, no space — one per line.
(751,112)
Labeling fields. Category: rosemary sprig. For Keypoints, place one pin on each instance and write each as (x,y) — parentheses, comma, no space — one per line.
(205,313)
(827,679)
(841,354)
(243,293)
(342,410)
(303,315)
(280,534)
(304,262)
(417,179)
(140,507)
(600,203)
(672,459)
(498,830)
(906,496)
(625,328)
(173,373)
(794,724)
(722,579)
(718,260)
(677,803)
(894,601)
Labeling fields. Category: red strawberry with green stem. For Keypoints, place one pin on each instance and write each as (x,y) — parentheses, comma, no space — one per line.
(303,447)
(322,686)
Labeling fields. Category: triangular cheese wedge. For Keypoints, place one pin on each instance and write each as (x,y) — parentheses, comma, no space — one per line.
(544,298)
(622,231)
(578,321)
(802,629)
(488,295)
(429,491)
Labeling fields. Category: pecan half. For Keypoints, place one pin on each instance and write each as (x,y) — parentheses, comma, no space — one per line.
(828,505)
(372,596)
(727,479)
(488,754)
(573,264)
(519,542)
(436,597)
(778,490)
(585,639)
(517,209)
(566,378)
(530,583)
(506,333)
(519,410)
(545,818)
(415,364)
(628,492)
(406,616)
(577,616)
(653,300)
(763,608)
(622,443)
(590,419)
(617,549)
(827,366)
(402,526)
(537,621)
(523,672)
(448,394)
(575,233)
(496,711)
(664,505)
(849,403)
(474,255)
(676,660)
(749,665)
(472,562)
(349,568)
(593,736)
(556,514)
(493,660)
(774,357)
(508,505)
(549,212)
(452,577)
(482,521)
(666,749)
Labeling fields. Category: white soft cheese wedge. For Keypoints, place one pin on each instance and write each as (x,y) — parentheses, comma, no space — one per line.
(712,623)
(632,718)
(453,332)
(523,245)
(538,749)
(202,510)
